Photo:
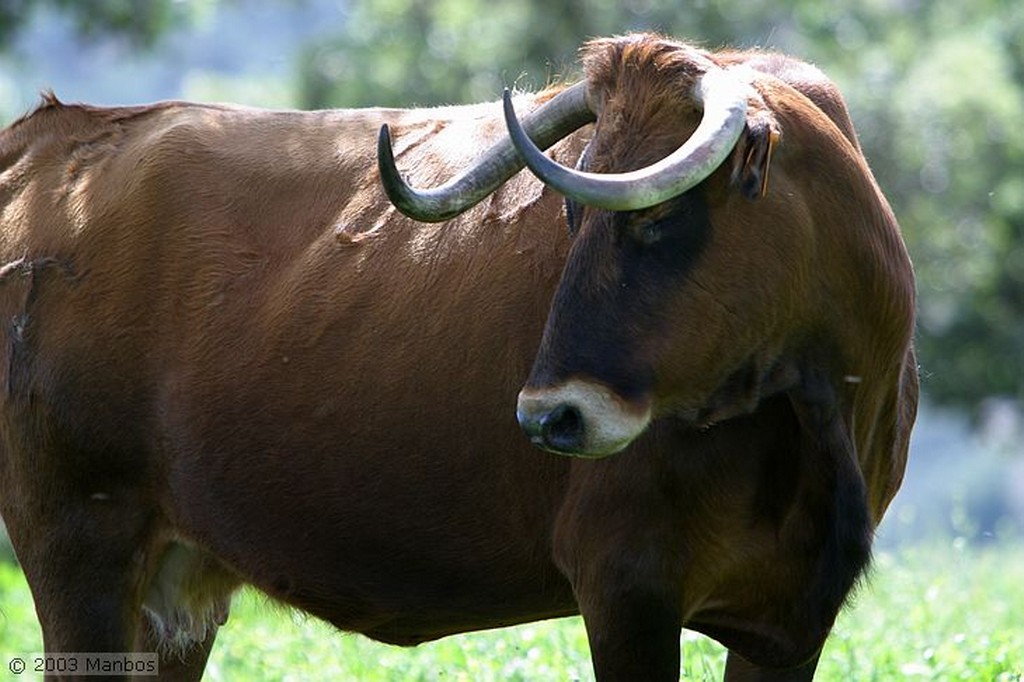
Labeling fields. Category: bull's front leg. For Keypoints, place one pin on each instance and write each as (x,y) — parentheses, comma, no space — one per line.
(738,669)
(633,633)
(616,542)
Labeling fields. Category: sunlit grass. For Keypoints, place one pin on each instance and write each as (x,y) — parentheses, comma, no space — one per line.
(940,612)
(943,611)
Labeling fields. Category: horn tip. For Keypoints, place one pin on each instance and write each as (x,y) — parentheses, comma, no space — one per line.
(506,100)
(384,139)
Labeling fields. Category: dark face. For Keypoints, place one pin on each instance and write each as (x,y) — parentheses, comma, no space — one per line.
(595,380)
(680,308)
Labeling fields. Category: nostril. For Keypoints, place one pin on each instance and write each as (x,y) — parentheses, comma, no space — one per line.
(561,429)
(581,418)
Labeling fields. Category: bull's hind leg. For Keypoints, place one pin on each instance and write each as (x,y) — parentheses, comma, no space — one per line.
(737,669)
(82,560)
(101,579)
(101,586)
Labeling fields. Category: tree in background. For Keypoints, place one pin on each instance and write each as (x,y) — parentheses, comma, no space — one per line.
(139,21)
(405,52)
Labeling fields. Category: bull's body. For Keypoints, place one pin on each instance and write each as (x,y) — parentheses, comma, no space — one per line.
(227,359)
(219,334)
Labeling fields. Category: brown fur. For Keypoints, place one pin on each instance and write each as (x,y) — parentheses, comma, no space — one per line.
(226,359)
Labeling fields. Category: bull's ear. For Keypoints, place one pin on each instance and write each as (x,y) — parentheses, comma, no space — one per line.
(753,155)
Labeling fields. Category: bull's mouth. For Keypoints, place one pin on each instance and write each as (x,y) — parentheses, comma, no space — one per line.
(580,418)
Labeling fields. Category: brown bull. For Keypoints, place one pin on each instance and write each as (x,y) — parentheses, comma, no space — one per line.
(228,360)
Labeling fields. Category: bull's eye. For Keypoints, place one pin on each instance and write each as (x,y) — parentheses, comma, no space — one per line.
(649,233)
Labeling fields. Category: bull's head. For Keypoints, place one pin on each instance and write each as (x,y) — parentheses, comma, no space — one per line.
(663,303)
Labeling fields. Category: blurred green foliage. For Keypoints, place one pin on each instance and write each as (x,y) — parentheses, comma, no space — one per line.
(422,52)
(139,21)
(936,91)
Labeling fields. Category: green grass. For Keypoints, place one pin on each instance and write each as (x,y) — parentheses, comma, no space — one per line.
(938,612)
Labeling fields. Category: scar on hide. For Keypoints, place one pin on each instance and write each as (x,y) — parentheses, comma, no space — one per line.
(29,269)
(18,288)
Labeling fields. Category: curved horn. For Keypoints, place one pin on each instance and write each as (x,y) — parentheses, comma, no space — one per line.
(725,105)
(563,114)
